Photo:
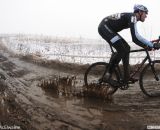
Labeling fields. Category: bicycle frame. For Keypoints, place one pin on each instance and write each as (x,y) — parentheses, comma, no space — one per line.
(146,71)
(150,61)
(144,61)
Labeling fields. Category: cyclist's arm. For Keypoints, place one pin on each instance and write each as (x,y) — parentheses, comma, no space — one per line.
(137,38)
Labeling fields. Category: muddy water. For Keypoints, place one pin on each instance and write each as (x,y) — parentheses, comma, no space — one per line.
(52,102)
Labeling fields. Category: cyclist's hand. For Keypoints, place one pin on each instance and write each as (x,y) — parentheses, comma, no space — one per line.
(156,46)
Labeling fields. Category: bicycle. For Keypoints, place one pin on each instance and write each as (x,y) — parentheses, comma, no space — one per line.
(149,79)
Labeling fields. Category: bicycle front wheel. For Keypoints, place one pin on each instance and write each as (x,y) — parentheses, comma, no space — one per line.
(149,85)
(95,73)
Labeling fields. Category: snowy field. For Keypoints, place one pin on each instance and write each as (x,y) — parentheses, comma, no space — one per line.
(74,50)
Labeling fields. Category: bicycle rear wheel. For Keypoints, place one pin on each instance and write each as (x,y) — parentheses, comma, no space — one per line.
(94,74)
(148,83)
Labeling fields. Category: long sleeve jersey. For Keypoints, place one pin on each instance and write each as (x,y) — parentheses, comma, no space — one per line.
(120,21)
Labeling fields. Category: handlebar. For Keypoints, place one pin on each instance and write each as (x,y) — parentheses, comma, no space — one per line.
(156,41)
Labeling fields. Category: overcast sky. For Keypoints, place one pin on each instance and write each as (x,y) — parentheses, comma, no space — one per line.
(76,18)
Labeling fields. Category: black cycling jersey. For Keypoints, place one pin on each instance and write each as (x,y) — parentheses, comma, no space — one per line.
(120,21)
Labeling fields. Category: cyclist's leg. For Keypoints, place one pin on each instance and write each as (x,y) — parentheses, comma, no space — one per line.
(126,65)
(125,60)
(107,34)
(123,50)
(115,59)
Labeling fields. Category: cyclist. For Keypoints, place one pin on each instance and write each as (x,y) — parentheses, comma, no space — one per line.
(109,28)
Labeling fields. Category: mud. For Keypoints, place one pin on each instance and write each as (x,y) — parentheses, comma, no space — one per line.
(41,95)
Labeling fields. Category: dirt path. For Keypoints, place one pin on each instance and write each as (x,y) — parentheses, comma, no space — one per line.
(27,106)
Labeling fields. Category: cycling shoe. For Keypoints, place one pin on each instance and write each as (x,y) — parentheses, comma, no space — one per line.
(114,83)
(106,77)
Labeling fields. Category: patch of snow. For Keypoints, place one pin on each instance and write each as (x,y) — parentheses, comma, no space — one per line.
(70,50)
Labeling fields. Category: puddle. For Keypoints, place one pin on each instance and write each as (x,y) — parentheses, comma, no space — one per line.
(71,86)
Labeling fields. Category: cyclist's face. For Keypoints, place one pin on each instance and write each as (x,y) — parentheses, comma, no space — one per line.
(143,16)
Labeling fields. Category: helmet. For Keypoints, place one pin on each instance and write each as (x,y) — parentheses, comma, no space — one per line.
(138,7)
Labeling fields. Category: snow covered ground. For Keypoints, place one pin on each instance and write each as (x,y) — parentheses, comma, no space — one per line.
(74,50)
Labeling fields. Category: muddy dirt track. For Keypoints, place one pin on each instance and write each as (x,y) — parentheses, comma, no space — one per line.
(38,96)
